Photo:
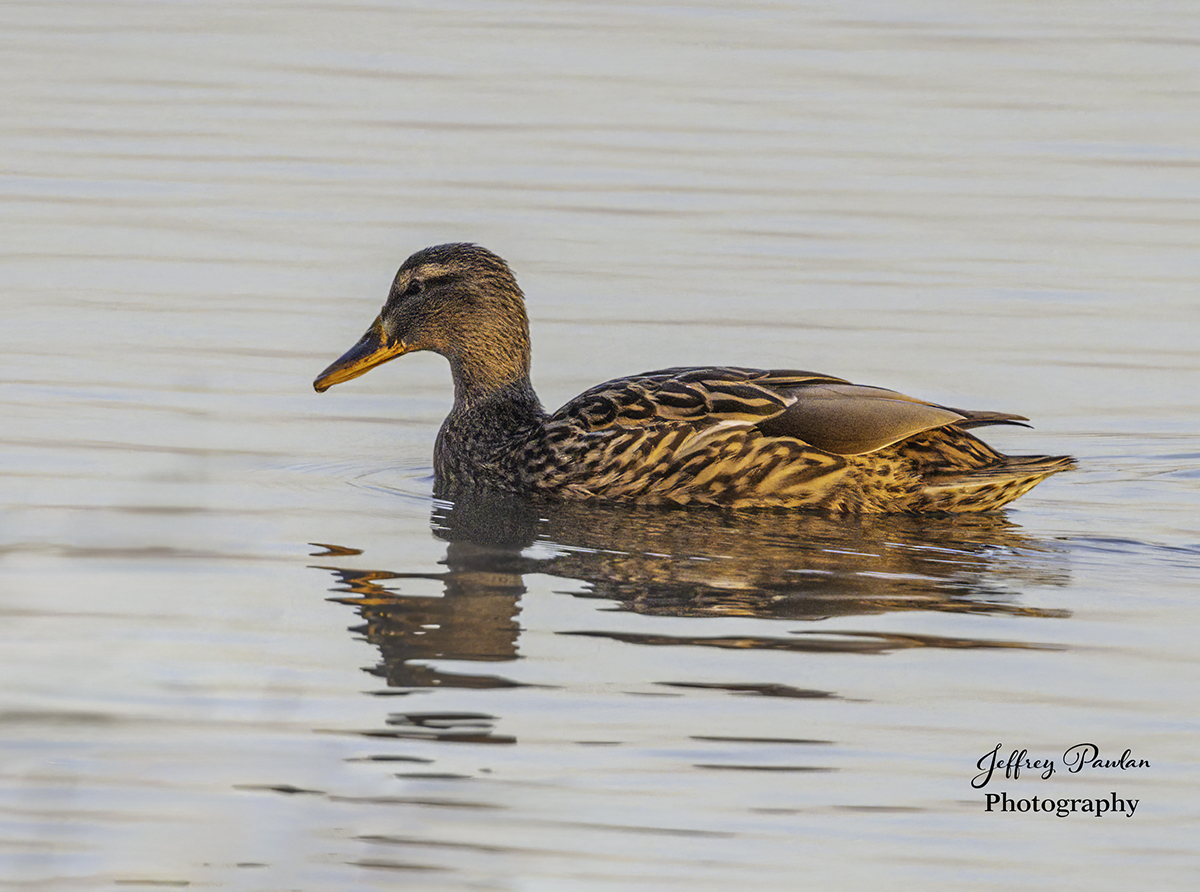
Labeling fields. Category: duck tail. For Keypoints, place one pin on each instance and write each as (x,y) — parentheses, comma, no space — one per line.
(973,418)
(990,487)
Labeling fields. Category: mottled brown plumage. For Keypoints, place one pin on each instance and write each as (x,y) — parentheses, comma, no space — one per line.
(735,437)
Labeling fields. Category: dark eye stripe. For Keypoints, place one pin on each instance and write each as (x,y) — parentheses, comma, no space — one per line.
(418,284)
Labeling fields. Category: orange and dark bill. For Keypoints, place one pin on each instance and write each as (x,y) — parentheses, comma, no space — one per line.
(374,348)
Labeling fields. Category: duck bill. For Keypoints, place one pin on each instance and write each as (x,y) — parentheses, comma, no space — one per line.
(374,348)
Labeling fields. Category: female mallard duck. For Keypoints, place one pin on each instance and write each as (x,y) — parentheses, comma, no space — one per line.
(740,438)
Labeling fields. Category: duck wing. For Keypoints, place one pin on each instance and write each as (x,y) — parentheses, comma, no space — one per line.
(828,413)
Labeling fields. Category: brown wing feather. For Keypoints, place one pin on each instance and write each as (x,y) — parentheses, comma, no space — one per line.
(847,419)
(688,395)
(826,412)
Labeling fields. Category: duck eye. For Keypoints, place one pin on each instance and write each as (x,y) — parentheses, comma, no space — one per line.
(416,286)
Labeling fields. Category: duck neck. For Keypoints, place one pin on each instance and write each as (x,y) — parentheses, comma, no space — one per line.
(483,380)
(487,434)
(492,391)
(514,396)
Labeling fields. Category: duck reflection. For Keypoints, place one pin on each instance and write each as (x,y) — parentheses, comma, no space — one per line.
(687,563)
(475,619)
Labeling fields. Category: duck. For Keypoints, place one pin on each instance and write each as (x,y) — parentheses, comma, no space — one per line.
(722,436)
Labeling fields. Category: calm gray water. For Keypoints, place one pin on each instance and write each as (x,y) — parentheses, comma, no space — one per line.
(242,646)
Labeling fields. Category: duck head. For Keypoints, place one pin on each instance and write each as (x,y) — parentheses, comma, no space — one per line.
(458,300)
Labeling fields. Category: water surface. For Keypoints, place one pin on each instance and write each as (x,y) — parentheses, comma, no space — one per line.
(244,647)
